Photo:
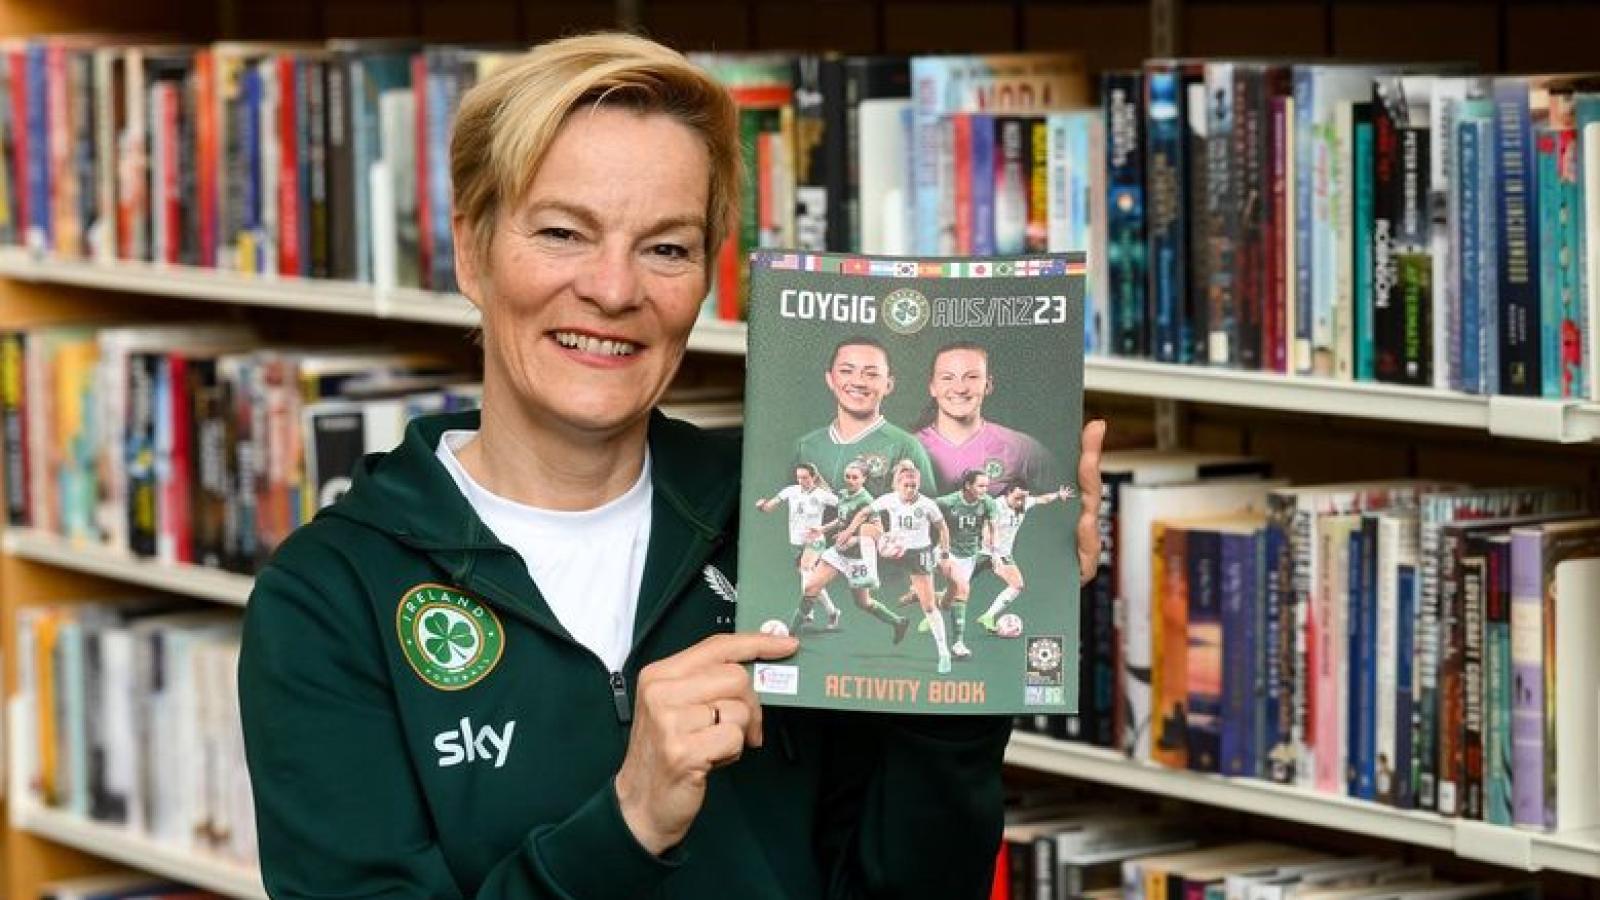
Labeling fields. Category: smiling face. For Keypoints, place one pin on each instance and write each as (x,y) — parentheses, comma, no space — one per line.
(960,382)
(592,282)
(907,481)
(859,378)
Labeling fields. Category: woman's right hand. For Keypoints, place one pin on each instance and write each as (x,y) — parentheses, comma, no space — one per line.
(695,711)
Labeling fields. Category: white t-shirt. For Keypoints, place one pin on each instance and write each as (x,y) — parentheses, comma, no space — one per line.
(911,522)
(588,565)
(805,510)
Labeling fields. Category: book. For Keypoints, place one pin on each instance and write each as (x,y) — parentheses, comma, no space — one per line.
(904,487)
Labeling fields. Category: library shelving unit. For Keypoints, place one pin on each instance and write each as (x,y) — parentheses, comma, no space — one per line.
(1437,432)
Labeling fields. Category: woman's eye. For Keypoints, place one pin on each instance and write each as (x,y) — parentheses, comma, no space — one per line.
(671,251)
(558,234)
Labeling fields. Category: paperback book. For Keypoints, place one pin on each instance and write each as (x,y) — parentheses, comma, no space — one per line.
(910,506)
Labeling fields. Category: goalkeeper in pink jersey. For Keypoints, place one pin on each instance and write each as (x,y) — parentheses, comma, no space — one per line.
(957,436)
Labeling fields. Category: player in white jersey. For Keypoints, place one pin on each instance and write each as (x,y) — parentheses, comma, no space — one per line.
(1014,508)
(914,521)
(808,503)
(853,556)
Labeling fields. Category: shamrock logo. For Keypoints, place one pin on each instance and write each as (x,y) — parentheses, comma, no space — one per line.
(447,636)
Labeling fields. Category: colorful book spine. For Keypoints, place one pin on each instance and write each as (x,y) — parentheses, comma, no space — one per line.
(1277,671)
(982,166)
(1037,236)
(1518,236)
(1406,583)
(1194,325)
(1221,218)
(1304,181)
(1527,680)
(1363,662)
(1561,292)
(1166,245)
(930,80)
(1474,587)
(1372,173)
(1169,640)
(1240,638)
(1251,156)
(1469,251)
(14,425)
(40,235)
(1203,661)
(1125,210)
(1497,682)
(1278,322)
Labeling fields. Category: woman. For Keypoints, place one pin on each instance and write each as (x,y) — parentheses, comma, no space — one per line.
(957,436)
(920,538)
(493,668)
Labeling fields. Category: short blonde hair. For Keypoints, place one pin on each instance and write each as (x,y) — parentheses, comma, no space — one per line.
(506,123)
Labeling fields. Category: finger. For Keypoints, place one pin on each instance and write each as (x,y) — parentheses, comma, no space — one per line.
(1089,462)
(1088,545)
(694,689)
(713,748)
(729,712)
(726,648)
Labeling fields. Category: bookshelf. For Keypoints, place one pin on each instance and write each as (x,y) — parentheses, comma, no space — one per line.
(38,843)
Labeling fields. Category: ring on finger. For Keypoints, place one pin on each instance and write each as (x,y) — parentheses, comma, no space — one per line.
(716,715)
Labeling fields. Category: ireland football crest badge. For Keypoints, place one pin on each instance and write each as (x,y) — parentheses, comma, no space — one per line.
(450,639)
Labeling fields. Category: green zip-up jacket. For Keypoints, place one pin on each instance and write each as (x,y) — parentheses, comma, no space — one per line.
(379,774)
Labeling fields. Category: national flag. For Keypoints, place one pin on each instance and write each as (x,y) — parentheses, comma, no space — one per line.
(905,270)
(980,270)
(856,265)
(930,270)
(1004,269)
(885,268)
(811,263)
(787,262)
(1033,267)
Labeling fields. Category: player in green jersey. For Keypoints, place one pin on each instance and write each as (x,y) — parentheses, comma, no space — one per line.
(971,513)
(1014,507)
(853,556)
(859,377)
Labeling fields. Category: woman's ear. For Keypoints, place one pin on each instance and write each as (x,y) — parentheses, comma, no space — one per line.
(468,276)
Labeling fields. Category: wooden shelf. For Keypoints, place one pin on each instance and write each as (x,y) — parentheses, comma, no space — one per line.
(1574,852)
(190,581)
(119,844)
(1554,421)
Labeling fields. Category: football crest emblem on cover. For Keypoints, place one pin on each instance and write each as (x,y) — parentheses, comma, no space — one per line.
(450,639)
(906,310)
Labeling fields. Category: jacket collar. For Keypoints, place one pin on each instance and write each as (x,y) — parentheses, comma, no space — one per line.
(408,495)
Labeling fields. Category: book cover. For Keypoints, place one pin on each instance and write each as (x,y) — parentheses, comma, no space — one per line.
(1125,204)
(961,496)
(1202,662)
(1497,682)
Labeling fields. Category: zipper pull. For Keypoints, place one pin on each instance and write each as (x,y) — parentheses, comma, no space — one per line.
(619,696)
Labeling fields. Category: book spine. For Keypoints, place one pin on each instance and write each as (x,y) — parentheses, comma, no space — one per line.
(1474,577)
(14,425)
(1385,657)
(1364,664)
(1278,321)
(188,177)
(960,138)
(319,201)
(930,84)
(1111,663)
(1451,695)
(1489,243)
(1304,171)
(141,500)
(1276,670)
(1469,253)
(1404,682)
(1037,236)
(1589,186)
(1518,239)
(1249,202)
(1193,325)
(1527,678)
(1412,333)
(1374,182)
(1239,641)
(1341,199)
(1126,212)
(1203,665)
(290,257)
(982,183)
(1425,696)
(339,170)
(1545,207)
(1497,685)
(1166,246)
(1102,644)
(1221,218)
(1564,335)
(1169,652)
(1011,175)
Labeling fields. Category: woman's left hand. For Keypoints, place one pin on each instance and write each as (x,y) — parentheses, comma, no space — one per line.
(1094,435)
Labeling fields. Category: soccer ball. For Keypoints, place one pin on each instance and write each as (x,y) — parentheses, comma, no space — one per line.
(775,627)
(889,547)
(1008,626)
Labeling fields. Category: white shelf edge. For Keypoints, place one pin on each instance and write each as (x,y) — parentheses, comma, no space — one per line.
(1574,852)
(191,581)
(128,848)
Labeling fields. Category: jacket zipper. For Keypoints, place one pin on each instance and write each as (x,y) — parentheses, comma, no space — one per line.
(619,696)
